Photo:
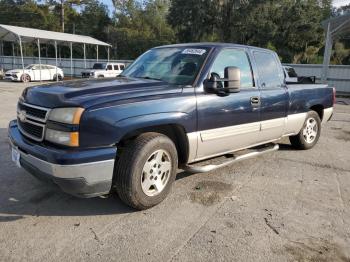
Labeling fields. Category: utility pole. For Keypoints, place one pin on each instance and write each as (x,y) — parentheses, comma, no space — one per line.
(62,15)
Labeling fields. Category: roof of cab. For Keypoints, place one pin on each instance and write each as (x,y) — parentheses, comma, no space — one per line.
(213,44)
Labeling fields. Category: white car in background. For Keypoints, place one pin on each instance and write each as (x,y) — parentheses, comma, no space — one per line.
(32,73)
(100,70)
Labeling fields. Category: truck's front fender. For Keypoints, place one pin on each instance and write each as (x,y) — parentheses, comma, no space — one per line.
(107,133)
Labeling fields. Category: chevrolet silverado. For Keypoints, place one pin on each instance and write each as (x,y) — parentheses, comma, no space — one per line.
(174,106)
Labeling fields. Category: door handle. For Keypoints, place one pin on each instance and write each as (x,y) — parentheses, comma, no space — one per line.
(255,100)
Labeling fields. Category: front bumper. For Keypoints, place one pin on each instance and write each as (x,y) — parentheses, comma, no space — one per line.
(83,173)
(11,78)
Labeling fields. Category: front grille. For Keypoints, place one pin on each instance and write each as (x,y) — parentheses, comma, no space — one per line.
(32,130)
(31,120)
(33,111)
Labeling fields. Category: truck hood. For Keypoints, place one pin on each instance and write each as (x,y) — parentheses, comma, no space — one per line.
(92,93)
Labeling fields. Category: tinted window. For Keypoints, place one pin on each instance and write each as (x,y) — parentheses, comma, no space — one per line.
(237,58)
(109,67)
(121,67)
(116,67)
(269,70)
(291,72)
(99,66)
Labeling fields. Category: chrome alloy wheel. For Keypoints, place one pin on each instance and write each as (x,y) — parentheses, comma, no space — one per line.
(310,130)
(25,78)
(156,173)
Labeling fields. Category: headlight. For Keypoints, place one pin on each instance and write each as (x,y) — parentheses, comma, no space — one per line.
(68,115)
(61,137)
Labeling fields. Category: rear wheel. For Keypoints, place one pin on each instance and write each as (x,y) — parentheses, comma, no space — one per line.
(59,77)
(146,170)
(309,134)
(25,78)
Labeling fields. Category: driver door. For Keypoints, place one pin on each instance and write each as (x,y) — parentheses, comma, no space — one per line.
(231,122)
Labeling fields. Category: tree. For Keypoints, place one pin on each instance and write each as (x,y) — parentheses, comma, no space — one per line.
(140,26)
(193,20)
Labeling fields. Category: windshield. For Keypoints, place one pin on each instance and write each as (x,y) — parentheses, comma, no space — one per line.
(99,66)
(175,65)
(29,66)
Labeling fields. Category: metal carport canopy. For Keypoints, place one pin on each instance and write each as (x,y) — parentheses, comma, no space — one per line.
(11,33)
(22,35)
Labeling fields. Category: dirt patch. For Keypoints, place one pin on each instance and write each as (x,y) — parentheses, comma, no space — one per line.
(209,192)
(319,250)
(345,135)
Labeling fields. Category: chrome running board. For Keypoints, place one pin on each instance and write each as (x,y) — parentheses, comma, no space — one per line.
(208,168)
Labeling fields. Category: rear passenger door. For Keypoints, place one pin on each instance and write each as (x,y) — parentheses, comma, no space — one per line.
(273,94)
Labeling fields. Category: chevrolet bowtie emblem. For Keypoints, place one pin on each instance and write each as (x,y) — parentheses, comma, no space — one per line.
(22,115)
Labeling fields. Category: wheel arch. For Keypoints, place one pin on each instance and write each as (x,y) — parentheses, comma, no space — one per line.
(175,132)
(318,109)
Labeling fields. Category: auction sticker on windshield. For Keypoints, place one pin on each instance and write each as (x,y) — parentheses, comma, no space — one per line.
(193,51)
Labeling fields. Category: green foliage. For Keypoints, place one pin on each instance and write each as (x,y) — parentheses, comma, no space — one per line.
(292,28)
(339,53)
(193,20)
(138,27)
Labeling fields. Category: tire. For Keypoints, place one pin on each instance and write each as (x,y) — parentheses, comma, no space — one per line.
(25,78)
(59,78)
(101,76)
(139,160)
(309,134)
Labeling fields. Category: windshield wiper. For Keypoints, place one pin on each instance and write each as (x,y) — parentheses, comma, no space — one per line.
(147,77)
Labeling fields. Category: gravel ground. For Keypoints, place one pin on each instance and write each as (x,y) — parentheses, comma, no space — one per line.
(285,206)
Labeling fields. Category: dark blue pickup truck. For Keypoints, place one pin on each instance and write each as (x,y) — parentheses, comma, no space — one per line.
(173,107)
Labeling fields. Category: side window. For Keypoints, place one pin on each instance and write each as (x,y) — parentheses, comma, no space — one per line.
(234,57)
(122,67)
(116,67)
(269,70)
(109,67)
(291,72)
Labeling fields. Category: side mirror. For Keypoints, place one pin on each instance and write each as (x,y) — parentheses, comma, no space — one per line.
(232,81)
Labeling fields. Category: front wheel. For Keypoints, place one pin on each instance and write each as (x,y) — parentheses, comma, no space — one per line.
(25,78)
(145,170)
(309,134)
